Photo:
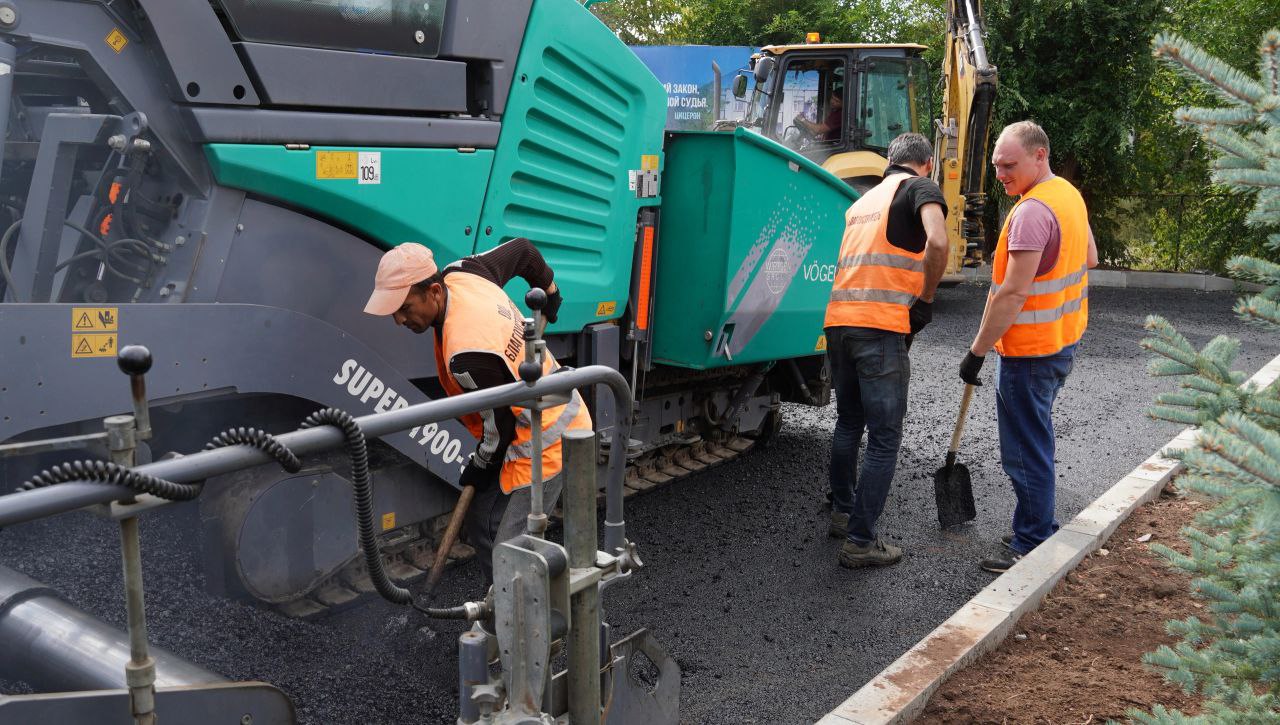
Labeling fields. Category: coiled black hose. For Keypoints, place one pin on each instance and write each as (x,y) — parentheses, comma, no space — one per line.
(261,440)
(110,473)
(113,474)
(357,451)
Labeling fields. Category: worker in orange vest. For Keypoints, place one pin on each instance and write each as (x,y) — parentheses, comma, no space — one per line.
(1036,313)
(893,253)
(479,343)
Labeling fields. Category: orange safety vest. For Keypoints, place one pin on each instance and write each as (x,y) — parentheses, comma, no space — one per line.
(1057,308)
(480,317)
(876,283)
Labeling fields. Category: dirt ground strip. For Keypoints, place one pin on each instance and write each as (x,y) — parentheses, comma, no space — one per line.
(1078,659)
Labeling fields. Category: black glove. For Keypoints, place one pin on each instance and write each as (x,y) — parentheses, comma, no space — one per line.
(969,368)
(481,478)
(921,314)
(553,306)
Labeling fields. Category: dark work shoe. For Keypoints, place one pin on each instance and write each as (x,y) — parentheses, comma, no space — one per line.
(1007,540)
(877,553)
(1002,561)
(839,527)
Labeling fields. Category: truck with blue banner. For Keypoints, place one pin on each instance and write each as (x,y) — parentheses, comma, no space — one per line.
(866,94)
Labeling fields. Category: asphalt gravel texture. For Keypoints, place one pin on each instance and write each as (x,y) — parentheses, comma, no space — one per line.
(742,584)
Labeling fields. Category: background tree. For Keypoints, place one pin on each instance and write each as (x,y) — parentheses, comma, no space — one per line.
(766,22)
(1078,69)
(641,22)
(1176,217)
(1233,656)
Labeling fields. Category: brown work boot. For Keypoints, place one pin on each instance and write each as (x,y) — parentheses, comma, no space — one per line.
(839,527)
(877,553)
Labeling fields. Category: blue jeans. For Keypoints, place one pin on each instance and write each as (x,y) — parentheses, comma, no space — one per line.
(1026,389)
(870,371)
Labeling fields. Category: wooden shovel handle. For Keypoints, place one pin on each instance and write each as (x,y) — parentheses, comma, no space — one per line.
(450,536)
(964,410)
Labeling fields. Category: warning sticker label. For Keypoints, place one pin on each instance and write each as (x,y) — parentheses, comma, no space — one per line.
(370,167)
(93,345)
(822,344)
(606,308)
(95,319)
(337,164)
(116,40)
(389,521)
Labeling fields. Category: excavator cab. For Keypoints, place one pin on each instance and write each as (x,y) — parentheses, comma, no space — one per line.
(841,104)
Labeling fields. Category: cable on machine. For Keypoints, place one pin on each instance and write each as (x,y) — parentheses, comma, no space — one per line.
(106,472)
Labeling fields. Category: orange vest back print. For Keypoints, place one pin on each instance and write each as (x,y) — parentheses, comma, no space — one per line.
(876,283)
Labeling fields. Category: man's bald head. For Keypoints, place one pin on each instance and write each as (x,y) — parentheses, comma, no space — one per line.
(1027,133)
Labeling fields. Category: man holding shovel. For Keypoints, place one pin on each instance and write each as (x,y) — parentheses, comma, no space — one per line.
(1036,313)
(893,253)
(479,344)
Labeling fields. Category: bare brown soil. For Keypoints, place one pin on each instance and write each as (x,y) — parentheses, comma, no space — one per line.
(1078,658)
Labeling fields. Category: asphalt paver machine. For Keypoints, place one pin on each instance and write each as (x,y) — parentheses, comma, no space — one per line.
(216,180)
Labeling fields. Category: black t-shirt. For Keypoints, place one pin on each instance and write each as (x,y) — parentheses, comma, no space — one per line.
(905,230)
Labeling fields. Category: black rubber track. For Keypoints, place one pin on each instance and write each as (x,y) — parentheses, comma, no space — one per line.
(742,585)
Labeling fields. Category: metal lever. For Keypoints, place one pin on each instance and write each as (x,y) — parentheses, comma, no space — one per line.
(135,361)
(530,372)
(122,435)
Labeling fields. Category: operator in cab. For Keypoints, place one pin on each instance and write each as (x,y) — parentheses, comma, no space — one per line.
(479,343)
(830,127)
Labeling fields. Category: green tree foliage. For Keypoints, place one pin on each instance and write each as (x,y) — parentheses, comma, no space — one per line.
(1079,70)
(1175,218)
(641,22)
(1232,656)
(772,22)
(766,22)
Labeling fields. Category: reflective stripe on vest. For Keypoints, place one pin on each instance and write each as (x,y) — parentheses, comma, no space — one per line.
(557,429)
(1034,317)
(1053,285)
(876,283)
(873,295)
(480,317)
(881,260)
(1056,311)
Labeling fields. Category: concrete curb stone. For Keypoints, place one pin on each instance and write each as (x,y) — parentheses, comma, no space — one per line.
(902,690)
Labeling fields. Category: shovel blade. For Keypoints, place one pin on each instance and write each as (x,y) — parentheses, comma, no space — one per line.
(953,490)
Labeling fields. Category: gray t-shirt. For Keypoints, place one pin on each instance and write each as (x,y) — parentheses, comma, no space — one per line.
(1033,227)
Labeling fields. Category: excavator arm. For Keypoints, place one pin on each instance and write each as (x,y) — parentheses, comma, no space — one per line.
(964,130)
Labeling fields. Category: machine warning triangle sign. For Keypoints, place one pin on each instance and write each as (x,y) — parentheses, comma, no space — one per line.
(93,344)
(95,319)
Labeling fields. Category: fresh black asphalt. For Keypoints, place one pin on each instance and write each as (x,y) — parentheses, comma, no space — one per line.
(742,585)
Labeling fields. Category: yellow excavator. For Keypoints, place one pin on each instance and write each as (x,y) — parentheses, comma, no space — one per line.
(840,104)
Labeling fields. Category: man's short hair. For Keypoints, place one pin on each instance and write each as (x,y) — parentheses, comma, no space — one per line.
(910,148)
(1029,134)
(424,285)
